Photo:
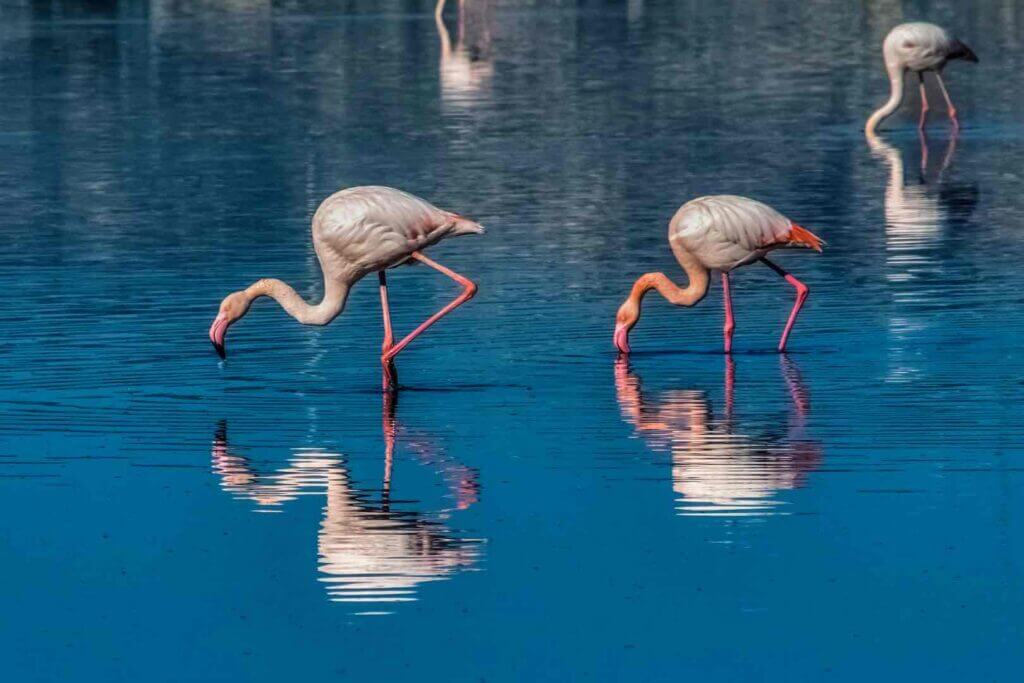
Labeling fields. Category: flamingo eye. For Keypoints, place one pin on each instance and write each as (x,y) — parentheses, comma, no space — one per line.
(909,45)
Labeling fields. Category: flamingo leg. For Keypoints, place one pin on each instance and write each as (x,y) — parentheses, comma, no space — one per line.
(924,100)
(949,102)
(801,297)
(390,372)
(467,294)
(729,324)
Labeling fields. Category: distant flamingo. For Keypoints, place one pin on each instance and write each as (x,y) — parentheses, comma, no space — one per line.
(356,232)
(918,47)
(720,233)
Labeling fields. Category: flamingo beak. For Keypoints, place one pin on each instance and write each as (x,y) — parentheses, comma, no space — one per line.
(621,338)
(217,331)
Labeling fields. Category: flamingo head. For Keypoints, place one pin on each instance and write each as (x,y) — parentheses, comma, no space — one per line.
(234,306)
(625,319)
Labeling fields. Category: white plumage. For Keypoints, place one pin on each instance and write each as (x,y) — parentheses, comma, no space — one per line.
(370,228)
(726,231)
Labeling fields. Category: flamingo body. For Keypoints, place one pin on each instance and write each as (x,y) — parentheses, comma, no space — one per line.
(366,229)
(358,231)
(719,233)
(726,231)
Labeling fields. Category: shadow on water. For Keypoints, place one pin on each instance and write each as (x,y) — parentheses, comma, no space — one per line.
(372,550)
(717,467)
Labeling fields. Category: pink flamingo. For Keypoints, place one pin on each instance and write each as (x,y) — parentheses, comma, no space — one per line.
(356,232)
(720,233)
(918,47)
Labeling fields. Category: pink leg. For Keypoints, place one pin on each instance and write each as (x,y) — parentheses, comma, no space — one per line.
(949,102)
(729,324)
(467,294)
(801,297)
(390,372)
(924,101)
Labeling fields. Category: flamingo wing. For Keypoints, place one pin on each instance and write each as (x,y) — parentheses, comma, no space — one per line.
(380,227)
(726,231)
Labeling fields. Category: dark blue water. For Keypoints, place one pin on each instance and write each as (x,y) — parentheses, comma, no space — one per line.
(529,508)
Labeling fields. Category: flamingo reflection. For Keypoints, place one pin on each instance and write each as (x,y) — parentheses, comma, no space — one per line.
(466,66)
(917,218)
(716,469)
(369,552)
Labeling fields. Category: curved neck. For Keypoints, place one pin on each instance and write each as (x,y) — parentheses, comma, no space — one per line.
(895,98)
(690,295)
(333,303)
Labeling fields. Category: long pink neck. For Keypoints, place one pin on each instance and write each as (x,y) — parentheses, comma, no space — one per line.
(673,293)
(333,303)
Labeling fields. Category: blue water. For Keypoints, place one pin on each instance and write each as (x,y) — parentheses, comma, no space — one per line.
(529,508)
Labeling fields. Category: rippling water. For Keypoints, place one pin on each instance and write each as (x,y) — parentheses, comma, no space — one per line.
(530,507)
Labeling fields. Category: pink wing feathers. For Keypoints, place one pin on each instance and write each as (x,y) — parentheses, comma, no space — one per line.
(378,227)
(726,231)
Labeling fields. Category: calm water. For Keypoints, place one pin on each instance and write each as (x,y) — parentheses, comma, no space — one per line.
(529,508)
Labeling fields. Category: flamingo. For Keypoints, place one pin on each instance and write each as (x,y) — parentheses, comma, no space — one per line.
(355,232)
(918,47)
(720,233)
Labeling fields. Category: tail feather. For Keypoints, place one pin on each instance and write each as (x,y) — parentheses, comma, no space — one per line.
(803,237)
(959,50)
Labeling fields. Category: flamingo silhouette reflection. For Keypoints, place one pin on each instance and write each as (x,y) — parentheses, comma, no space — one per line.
(717,470)
(369,551)
(466,67)
(918,217)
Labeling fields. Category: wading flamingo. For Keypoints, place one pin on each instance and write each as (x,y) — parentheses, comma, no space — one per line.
(720,233)
(918,47)
(356,232)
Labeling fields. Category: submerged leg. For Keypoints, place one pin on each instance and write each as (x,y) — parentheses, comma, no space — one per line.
(924,100)
(469,289)
(801,297)
(729,324)
(949,102)
(390,372)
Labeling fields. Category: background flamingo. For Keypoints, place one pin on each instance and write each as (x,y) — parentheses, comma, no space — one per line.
(356,232)
(918,47)
(720,233)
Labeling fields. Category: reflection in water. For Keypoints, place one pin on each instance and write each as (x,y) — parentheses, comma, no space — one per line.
(715,469)
(466,67)
(917,217)
(369,552)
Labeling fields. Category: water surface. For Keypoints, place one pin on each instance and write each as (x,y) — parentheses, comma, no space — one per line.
(530,507)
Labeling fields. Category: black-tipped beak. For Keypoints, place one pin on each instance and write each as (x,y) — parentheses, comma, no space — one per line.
(217,331)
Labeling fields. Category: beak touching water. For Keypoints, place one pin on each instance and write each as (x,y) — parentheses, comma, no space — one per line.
(217,331)
(621,337)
